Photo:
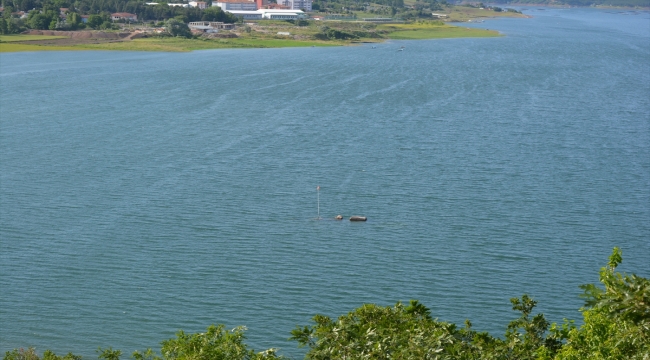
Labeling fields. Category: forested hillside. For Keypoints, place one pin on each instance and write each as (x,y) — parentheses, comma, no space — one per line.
(87,7)
(47,14)
(20,15)
(584,3)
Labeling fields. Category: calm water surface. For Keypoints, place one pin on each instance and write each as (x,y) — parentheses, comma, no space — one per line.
(142,193)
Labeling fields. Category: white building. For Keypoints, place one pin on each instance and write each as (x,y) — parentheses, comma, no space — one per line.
(124,16)
(236,5)
(246,14)
(198,4)
(271,14)
(172,5)
(281,14)
(296,4)
(210,26)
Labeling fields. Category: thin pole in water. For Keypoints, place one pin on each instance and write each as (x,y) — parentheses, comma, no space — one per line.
(318,200)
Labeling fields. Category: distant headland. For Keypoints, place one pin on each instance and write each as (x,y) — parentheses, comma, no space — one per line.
(192,28)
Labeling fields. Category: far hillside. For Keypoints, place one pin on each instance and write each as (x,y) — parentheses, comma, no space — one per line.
(582,3)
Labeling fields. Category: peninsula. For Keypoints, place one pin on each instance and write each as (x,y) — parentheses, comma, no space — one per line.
(263,28)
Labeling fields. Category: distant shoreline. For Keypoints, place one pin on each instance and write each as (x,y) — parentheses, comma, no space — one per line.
(97,40)
(263,34)
(565,6)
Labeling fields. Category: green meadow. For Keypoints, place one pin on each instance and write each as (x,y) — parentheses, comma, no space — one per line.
(435,30)
(259,38)
(12,47)
(21,37)
(179,44)
(8,43)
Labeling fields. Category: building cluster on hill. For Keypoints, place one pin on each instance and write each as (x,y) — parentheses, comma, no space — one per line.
(118,16)
(246,5)
(195,4)
(17,14)
(263,9)
(245,9)
(304,5)
(198,27)
(108,17)
(202,16)
(249,9)
(124,16)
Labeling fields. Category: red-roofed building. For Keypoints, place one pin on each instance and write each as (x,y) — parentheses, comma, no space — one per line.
(124,16)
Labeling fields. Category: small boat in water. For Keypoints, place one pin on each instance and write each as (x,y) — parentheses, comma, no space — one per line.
(358,218)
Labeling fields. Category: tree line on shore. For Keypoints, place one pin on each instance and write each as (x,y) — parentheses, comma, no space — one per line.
(46,14)
(616,325)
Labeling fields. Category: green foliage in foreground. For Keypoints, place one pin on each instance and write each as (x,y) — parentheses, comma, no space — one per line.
(216,343)
(616,318)
(616,326)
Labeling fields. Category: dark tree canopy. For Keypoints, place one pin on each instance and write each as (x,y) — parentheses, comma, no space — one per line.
(97,7)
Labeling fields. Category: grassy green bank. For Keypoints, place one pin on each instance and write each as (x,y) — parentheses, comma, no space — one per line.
(16,43)
(21,37)
(158,44)
(8,47)
(260,35)
(423,31)
(180,45)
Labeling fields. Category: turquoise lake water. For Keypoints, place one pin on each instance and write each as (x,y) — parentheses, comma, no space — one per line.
(142,193)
